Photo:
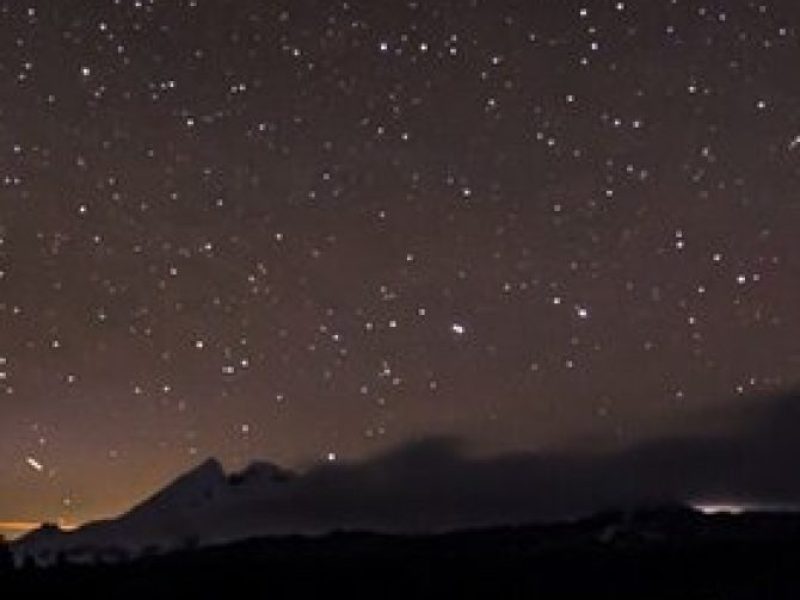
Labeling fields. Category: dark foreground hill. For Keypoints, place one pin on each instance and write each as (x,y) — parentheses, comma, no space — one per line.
(665,553)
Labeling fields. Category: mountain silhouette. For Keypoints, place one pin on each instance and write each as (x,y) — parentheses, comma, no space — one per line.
(204,504)
(433,486)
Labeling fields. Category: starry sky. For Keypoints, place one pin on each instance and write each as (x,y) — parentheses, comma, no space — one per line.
(311,231)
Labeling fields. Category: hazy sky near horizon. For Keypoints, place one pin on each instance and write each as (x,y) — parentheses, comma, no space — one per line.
(310,231)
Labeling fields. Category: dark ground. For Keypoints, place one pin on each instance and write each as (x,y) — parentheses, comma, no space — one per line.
(659,554)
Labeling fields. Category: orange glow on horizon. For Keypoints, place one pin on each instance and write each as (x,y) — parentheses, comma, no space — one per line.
(12,529)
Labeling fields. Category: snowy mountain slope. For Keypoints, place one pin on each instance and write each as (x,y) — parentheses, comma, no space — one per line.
(202,506)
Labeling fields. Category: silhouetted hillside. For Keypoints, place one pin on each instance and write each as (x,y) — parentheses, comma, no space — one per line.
(659,553)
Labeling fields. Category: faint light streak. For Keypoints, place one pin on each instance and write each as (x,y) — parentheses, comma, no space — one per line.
(34,464)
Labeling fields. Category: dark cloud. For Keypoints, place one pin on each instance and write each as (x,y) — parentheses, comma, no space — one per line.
(434,483)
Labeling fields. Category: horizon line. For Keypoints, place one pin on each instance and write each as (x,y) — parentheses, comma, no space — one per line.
(14,529)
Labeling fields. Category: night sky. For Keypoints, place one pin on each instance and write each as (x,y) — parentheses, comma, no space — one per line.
(313,231)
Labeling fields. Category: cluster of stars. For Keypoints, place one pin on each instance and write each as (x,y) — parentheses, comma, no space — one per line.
(310,232)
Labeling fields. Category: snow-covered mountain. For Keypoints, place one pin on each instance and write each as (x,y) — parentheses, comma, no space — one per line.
(203,506)
(427,487)
(423,488)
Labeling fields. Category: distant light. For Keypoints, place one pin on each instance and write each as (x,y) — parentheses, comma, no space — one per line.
(721,509)
(458,329)
(331,456)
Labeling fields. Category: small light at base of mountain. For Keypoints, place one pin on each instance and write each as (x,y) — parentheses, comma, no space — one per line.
(720,508)
(331,457)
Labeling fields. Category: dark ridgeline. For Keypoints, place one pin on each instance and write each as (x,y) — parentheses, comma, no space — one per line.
(650,554)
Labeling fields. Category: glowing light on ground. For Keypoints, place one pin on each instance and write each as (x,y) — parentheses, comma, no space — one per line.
(738,508)
(721,508)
